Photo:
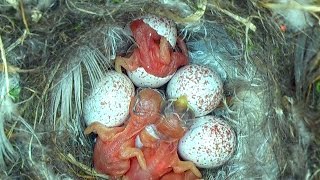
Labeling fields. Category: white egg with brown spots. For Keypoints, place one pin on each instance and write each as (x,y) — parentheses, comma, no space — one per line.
(143,79)
(109,100)
(210,142)
(201,85)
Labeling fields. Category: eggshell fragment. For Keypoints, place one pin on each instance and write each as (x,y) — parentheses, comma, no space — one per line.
(143,79)
(151,130)
(210,142)
(164,27)
(108,102)
(202,86)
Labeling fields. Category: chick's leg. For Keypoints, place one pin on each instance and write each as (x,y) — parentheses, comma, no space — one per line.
(103,132)
(130,64)
(130,152)
(182,166)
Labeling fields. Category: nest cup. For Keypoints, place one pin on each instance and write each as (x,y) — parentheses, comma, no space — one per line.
(77,42)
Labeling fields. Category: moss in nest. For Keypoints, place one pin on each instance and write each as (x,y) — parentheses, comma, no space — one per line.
(317,86)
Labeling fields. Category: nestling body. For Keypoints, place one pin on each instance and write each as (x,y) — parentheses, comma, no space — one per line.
(154,53)
(115,146)
(161,154)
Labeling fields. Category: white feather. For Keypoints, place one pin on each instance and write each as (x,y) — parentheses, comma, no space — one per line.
(67,94)
(295,18)
(7,109)
(117,39)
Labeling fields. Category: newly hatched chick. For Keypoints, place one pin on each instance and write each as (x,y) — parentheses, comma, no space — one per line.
(115,146)
(161,155)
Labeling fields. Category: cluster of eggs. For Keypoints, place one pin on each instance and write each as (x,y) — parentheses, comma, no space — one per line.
(209,141)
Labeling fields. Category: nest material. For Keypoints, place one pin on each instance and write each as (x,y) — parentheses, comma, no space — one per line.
(61,54)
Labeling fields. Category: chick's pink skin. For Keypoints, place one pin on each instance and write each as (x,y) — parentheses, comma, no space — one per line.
(161,155)
(115,146)
(187,175)
(154,53)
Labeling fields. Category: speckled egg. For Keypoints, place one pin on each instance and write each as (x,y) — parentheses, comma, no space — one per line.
(108,102)
(164,27)
(210,142)
(143,79)
(201,85)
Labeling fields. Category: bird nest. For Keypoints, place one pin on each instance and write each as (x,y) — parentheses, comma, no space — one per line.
(53,52)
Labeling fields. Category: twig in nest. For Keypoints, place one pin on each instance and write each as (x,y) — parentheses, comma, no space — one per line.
(201,8)
(292,5)
(18,41)
(317,79)
(245,21)
(196,16)
(25,22)
(85,168)
(7,28)
(314,69)
(80,9)
(5,65)
(315,174)
(13,69)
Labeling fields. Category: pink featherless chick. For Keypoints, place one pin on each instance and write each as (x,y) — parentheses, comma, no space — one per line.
(156,39)
(161,155)
(115,146)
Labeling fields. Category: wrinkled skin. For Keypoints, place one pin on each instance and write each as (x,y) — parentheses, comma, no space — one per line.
(154,53)
(115,146)
(161,155)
